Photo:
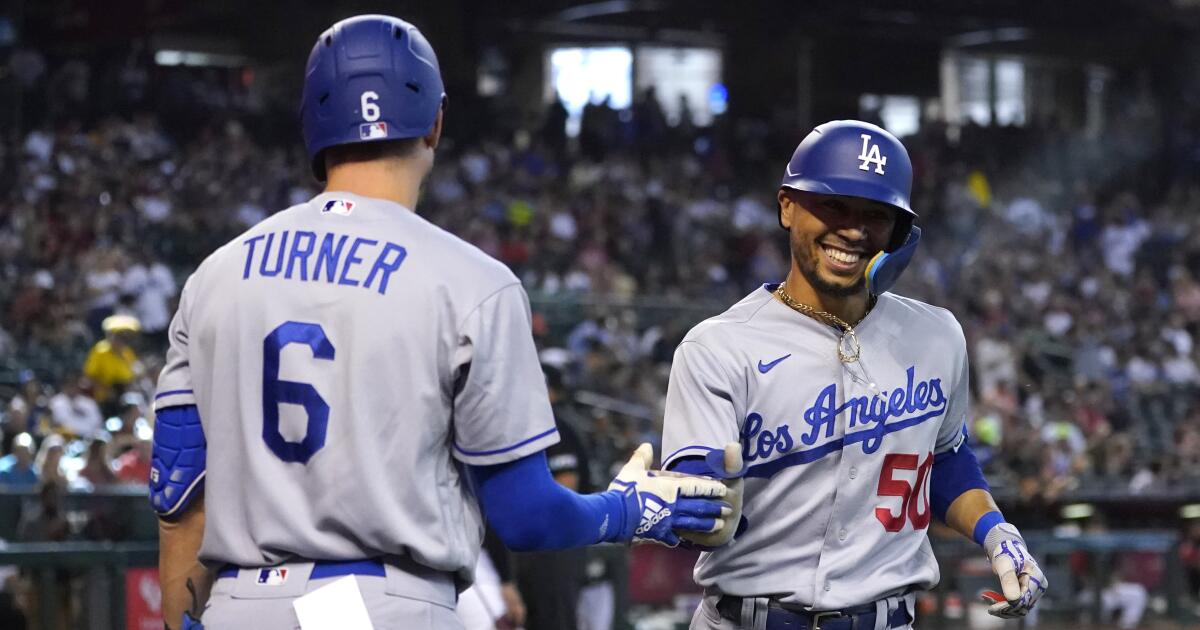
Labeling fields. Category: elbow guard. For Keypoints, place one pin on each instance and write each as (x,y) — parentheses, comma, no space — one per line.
(177,465)
(954,472)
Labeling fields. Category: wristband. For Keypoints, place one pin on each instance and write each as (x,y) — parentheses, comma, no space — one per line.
(985,525)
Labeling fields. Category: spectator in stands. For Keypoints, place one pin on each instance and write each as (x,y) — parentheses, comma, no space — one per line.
(1125,596)
(73,411)
(97,469)
(153,286)
(17,469)
(49,461)
(130,422)
(26,410)
(103,280)
(112,363)
(133,466)
(47,520)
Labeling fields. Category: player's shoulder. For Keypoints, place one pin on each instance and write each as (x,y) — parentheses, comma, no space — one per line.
(457,258)
(913,317)
(720,330)
(443,256)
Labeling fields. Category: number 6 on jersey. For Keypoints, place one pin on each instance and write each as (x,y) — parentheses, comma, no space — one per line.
(276,392)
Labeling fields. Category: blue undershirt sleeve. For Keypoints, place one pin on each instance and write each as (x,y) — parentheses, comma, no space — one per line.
(707,467)
(954,472)
(532,512)
(691,466)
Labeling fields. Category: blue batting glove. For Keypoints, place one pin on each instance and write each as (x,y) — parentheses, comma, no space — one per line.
(657,505)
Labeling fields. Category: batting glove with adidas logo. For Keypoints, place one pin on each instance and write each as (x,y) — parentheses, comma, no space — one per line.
(657,506)
(1021,579)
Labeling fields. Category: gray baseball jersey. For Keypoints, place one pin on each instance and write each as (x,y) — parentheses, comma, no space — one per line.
(837,488)
(340,353)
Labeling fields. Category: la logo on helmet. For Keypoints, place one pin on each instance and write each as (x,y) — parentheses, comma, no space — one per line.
(871,155)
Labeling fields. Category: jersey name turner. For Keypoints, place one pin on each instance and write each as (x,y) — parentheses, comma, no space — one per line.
(326,257)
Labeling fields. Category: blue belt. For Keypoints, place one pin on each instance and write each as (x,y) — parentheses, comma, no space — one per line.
(323,569)
(780,618)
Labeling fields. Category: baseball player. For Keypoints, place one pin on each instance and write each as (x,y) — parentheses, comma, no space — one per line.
(353,388)
(849,407)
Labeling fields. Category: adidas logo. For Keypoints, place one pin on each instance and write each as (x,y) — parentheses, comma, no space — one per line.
(653,512)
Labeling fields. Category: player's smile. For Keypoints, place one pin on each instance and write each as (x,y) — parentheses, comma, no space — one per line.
(834,238)
(842,260)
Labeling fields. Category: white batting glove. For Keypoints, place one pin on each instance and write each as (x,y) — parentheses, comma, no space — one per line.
(734,484)
(657,504)
(1021,579)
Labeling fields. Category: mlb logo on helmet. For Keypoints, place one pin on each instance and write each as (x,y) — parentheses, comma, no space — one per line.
(338,206)
(372,131)
(272,577)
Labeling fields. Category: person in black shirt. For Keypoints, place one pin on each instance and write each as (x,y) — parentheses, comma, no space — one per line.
(549,581)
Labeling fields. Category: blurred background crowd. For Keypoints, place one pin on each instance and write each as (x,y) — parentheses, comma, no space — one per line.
(1075,277)
(1071,257)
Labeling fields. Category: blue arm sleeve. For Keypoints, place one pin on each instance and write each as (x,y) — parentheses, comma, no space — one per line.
(178,462)
(954,472)
(530,511)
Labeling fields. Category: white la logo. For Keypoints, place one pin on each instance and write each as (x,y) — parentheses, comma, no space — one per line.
(871,156)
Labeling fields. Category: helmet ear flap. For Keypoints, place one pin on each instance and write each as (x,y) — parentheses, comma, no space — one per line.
(885,268)
(900,232)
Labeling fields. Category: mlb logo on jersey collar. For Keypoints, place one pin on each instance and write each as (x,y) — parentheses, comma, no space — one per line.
(338,206)
(272,577)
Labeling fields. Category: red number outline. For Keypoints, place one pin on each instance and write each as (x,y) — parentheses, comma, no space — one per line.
(889,486)
(912,496)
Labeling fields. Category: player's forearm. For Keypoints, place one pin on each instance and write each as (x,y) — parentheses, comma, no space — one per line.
(967,509)
(184,581)
(530,511)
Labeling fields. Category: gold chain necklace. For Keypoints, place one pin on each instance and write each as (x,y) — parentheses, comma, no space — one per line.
(848,348)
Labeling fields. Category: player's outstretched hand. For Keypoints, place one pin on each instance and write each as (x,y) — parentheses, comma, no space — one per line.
(656,504)
(1021,579)
(730,461)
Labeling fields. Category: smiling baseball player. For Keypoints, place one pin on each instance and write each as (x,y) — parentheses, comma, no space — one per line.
(849,404)
(351,386)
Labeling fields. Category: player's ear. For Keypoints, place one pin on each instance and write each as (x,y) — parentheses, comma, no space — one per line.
(435,134)
(786,208)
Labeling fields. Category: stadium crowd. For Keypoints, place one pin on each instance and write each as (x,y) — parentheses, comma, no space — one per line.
(1076,277)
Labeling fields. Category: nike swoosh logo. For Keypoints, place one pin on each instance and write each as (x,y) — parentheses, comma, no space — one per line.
(788,170)
(766,367)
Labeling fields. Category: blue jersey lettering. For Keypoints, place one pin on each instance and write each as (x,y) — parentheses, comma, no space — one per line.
(302,259)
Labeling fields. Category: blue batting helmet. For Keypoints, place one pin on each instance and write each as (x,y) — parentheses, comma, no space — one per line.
(369,78)
(855,159)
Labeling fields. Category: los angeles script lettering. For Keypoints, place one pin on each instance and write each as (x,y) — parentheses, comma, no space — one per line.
(865,411)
